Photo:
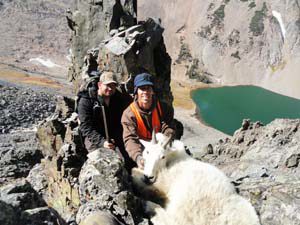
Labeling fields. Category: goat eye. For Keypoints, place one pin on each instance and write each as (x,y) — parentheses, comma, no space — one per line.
(163,157)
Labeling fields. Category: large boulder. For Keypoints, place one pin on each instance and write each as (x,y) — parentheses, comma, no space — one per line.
(104,186)
(19,152)
(91,22)
(21,204)
(138,49)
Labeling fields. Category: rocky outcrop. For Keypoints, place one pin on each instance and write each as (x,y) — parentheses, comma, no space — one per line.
(91,23)
(80,186)
(19,152)
(137,49)
(20,110)
(261,47)
(263,163)
(70,187)
(104,186)
(21,204)
(118,44)
(67,186)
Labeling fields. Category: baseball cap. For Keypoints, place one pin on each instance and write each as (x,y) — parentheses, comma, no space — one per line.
(142,79)
(108,78)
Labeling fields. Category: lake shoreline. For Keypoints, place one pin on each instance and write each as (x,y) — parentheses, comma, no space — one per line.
(226,107)
(197,134)
(186,102)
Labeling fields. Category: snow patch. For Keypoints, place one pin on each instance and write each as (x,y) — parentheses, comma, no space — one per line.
(277,15)
(48,63)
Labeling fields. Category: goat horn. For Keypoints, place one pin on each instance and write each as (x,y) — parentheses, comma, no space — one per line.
(154,140)
(164,145)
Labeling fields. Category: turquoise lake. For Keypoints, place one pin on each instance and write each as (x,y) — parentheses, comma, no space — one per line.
(225,108)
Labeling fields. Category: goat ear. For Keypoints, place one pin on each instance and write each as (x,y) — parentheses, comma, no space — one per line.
(167,141)
(144,143)
(153,140)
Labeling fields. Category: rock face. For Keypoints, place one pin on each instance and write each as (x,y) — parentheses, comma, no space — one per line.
(263,163)
(138,49)
(104,185)
(117,44)
(66,186)
(91,22)
(261,47)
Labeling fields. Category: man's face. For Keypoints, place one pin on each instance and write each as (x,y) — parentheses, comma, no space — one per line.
(145,94)
(106,90)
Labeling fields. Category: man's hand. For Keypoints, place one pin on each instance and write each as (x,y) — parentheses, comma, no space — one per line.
(140,162)
(109,145)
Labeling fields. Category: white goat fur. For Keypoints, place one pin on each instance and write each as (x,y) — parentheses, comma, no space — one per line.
(197,193)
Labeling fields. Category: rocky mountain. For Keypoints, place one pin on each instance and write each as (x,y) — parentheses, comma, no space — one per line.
(47,177)
(232,42)
(34,36)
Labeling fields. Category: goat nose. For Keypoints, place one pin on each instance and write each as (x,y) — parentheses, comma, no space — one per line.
(148,179)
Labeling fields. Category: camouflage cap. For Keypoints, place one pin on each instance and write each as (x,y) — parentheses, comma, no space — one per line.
(108,78)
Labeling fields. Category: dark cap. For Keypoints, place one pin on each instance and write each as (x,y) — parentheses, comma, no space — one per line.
(142,79)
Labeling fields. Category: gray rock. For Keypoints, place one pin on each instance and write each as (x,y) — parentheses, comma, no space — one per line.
(23,110)
(265,168)
(21,196)
(42,215)
(19,152)
(104,185)
(64,107)
(51,135)
(92,24)
(38,179)
(8,214)
(293,161)
(137,49)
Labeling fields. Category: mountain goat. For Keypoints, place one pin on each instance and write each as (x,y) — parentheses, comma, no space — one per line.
(196,193)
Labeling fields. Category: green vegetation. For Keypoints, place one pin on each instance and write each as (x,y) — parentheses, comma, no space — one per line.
(227,1)
(279,66)
(252,5)
(205,32)
(257,22)
(194,72)
(236,55)
(298,23)
(219,14)
(184,54)
(244,0)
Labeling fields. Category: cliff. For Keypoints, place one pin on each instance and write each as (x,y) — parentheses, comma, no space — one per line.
(232,42)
